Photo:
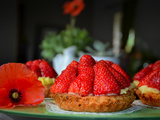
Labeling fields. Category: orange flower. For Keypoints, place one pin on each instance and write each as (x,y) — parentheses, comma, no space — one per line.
(19,86)
(73,7)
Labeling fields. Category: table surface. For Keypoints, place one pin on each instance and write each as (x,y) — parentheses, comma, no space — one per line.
(40,111)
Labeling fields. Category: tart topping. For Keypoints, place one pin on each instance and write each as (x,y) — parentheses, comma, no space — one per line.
(82,85)
(84,62)
(156,65)
(67,76)
(92,78)
(42,68)
(104,83)
(152,80)
(142,73)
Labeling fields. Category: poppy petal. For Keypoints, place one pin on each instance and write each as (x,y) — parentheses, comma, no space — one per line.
(4,99)
(17,76)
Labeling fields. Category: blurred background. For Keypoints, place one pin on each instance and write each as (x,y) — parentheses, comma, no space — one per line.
(23,24)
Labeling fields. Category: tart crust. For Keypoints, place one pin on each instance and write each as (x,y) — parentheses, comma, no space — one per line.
(149,98)
(103,103)
(47,90)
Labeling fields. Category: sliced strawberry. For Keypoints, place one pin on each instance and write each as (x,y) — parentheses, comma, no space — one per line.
(74,64)
(156,65)
(148,77)
(29,64)
(86,61)
(109,62)
(120,70)
(142,73)
(154,81)
(63,81)
(47,70)
(35,67)
(105,82)
(120,78)
(83,84)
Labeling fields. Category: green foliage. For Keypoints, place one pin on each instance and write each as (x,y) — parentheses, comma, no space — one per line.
(55,43)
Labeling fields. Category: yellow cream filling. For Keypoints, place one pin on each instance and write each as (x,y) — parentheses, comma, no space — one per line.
(145,89)
(124,91)
(136,82)
(46,80)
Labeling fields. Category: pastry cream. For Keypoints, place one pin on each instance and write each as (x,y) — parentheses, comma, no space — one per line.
(124,91)
(145,89)
(46,80)
(136,82)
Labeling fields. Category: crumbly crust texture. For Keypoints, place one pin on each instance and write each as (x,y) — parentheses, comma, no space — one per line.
(103,103)
(152,99)
(47,91)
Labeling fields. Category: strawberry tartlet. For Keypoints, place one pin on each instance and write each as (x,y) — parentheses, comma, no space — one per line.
(148,89)
(46,73)
(92,86)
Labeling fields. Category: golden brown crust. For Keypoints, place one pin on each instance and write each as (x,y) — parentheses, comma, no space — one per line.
(149,98)
(94,103)
(47,90)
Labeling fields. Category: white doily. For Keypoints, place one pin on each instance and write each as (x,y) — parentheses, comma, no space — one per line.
(52,107)
(140,103)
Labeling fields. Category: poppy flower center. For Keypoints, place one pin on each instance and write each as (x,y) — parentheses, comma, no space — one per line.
(75,7)
(15,96)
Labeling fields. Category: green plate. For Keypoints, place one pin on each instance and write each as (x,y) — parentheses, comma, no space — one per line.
(41,112)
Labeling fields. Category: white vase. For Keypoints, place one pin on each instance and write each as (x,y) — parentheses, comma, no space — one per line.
(61,61)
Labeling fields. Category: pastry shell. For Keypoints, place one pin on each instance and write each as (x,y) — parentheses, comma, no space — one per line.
(149,98)
(101,103)
(47,90)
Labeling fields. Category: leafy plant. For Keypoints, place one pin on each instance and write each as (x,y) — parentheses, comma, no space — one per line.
(54,43)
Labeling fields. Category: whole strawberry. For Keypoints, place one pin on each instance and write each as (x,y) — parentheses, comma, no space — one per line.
(42,68)
(47,70)
(149,78)
(156,65)
(86,61)
(34,65)
(83,84)
(64,80)
(121,71)
(142,73)
(105,82)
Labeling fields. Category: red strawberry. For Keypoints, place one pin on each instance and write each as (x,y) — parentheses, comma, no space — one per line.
(156,65)
(120,70)
(63,81)
(105,82)
(120,78)
(154,81)
(85,61)
(74,64)
(47,70)
(147,78)
(109,62)
(35,67)
(83,84)
(142,73)
(29,64)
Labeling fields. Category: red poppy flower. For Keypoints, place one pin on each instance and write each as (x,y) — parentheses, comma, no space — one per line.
(19,86)
(74,7)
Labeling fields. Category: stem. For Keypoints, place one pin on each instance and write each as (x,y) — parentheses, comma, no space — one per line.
(73,21)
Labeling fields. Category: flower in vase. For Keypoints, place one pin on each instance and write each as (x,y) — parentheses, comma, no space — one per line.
(74,7)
